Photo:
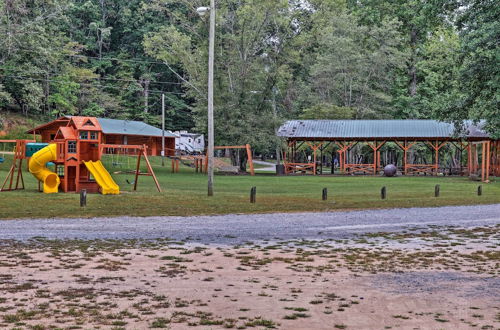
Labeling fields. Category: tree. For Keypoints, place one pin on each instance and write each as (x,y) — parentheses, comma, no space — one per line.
(355,65)
(328,111)
(478,95)
(256,44)
(418,20)
(439,69)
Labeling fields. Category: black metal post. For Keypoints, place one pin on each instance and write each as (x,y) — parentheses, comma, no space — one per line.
(253,193)
(83,198)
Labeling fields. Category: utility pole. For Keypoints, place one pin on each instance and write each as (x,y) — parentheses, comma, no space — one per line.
(278,143)
(162,129)
(210,147)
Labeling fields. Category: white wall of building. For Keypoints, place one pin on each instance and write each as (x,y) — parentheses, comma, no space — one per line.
(189,142)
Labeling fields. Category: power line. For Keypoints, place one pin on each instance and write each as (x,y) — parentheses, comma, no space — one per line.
(84,84)
(118,79)
(138,61)
(99,58)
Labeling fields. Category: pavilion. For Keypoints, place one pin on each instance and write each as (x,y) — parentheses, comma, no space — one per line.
(346,137)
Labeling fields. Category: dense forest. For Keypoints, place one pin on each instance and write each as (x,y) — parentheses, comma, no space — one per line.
(275,60)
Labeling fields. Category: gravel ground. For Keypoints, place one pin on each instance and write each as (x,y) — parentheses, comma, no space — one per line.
(471,286)
(234,229)
(269,166)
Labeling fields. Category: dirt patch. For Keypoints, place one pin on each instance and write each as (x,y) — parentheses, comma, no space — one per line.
(364,283)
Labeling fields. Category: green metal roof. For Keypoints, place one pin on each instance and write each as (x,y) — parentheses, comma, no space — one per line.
(358,129)
(130,127)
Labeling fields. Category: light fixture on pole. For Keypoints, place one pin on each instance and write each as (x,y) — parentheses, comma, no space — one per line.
(210,147)
(202,10)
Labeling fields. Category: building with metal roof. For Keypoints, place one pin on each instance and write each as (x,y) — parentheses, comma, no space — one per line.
(131,127)
(377,129)
(345,137)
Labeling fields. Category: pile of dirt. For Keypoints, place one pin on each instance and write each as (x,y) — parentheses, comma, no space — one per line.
(14,125)
(223,166)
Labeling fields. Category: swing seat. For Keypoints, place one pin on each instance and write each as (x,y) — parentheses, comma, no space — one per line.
(117,164)
(2,160)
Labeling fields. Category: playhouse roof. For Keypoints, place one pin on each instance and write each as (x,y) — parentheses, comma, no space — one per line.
(67,133)
(86,123)
(360,129)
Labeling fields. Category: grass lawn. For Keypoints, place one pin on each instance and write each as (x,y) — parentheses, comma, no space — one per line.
(185,194)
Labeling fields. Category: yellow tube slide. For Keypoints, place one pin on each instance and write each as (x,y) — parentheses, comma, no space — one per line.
(37,167)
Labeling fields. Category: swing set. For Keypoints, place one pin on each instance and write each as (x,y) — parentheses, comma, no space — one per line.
(120,152)
(4,149)
(201,161)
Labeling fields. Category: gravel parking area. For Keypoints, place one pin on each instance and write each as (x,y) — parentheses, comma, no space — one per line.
(236,229)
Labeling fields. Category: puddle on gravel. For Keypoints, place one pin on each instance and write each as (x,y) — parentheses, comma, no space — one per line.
(463,285)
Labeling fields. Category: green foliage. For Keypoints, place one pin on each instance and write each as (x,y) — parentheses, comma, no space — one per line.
(328,111)
(440,69)
(93,110)
(5,97)
(275,60)
(480,66)
(355,65)
(64,97)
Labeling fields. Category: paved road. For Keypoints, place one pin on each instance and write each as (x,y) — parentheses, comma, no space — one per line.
(269,166)
(233,229)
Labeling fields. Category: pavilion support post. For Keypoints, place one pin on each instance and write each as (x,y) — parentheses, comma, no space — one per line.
(376,154)
(488,156)
(469,159)
(475,158)
(314,148)
(340,151)
(321,160)
(496,158)
(314,160)
(405,154)
(436,159)
(483,162)
(341,160)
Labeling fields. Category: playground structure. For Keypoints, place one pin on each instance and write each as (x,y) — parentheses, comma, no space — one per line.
(75,151)
(19,154)
(200,162)
(481,159)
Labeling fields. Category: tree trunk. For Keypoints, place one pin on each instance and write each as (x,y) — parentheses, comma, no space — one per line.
(146,95)
(412,70)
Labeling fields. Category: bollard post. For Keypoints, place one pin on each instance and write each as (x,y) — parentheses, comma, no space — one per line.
(383,193)
(324,196)
(83,198)
(436,190)
(253,193)
(479,190)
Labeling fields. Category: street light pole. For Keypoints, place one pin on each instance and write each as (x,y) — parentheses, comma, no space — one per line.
(162,129)
(210,147)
